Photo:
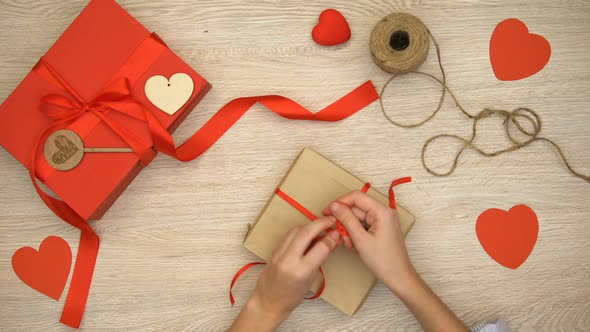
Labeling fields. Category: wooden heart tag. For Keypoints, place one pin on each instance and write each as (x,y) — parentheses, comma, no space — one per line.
(64,150)
(169,95)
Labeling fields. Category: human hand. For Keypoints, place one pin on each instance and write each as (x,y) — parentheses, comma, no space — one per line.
(383,250)
(294,265)
(381,246)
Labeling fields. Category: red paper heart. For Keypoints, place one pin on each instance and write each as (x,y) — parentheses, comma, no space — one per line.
(515,53)
(508,237)
(46,270)
(332,29)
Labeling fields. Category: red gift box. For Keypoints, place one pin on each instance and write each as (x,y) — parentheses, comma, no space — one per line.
(92,81)
(102,44)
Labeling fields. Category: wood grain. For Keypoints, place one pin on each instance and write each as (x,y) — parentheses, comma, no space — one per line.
(171,243)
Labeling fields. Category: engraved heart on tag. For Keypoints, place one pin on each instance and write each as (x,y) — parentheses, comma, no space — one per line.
(66,149)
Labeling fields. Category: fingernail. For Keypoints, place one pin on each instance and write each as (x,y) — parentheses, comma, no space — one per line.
(334,235)
(335,207)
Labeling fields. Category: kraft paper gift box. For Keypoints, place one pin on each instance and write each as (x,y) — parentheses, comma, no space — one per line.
(104,41)
(314,181)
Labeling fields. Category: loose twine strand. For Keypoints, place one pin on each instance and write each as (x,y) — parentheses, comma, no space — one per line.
(511,118)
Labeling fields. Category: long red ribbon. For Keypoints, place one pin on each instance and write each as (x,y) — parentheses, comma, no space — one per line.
(64,110)
(228,115)
(68,107)
(311,216)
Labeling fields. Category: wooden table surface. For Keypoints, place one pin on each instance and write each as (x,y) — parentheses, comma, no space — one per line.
(172,242)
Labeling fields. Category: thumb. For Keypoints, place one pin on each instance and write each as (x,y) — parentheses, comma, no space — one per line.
(352,224)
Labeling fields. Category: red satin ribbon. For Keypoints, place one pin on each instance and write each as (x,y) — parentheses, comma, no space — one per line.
(246,267)
(227,116)
(394,183)
(65,109)
(116,96)
(313,217)
(309,214)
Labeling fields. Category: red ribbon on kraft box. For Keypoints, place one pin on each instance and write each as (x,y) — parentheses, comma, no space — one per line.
(312,217)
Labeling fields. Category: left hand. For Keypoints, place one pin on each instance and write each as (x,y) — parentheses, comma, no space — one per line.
(295,263)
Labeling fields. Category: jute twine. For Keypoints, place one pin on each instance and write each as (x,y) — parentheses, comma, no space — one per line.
(400,44)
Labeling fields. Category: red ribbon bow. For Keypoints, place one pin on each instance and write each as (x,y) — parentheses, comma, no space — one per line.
(115,97)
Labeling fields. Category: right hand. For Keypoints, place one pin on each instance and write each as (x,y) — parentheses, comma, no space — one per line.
(383,250)
(381,246)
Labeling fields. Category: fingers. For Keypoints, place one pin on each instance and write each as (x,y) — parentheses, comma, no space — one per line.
(349,220)
(347,242)
(309,232)
(287,240)
(320,251)
(360,214)
(360,200)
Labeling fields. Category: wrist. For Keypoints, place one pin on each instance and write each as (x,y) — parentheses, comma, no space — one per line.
(266,315)
(404,284)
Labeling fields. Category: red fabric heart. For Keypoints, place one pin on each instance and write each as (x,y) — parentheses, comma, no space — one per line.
(46,270)
(515,53)
(508,236)
(332,29)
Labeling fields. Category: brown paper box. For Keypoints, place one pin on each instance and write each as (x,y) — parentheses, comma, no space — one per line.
(314,182)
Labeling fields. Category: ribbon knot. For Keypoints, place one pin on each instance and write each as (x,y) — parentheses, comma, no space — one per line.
(60,107)
(116,96)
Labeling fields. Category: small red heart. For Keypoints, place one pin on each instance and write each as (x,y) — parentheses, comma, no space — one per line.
(46,270)
(515,53)
(508,237)
(332,29)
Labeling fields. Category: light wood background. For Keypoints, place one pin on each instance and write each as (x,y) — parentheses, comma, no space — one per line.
(172,242)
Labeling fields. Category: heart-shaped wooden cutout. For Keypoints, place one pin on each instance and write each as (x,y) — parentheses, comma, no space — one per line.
(169,95)
(46,270)
(508,236)
(332,29)
(515,53)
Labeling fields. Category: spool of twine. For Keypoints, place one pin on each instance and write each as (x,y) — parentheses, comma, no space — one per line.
(400,44)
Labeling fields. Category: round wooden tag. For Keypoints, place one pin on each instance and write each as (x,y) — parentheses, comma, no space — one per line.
(64,150)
